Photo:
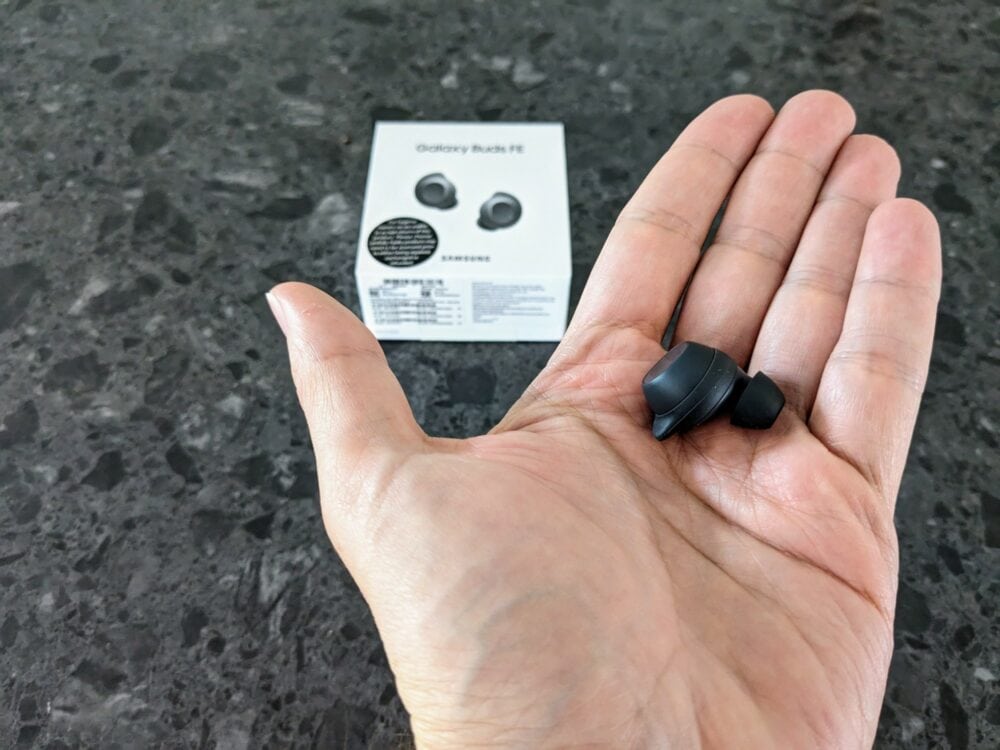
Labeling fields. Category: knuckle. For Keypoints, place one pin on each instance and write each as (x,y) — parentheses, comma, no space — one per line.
(894,363)
(821,279)
(754,240)
(659,219)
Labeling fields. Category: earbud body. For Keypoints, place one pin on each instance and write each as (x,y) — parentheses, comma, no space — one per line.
(693,383)
(436,190)
(499,210)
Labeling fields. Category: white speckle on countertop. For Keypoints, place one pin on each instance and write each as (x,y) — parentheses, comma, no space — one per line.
(526,75)
(450,79)
(94,286)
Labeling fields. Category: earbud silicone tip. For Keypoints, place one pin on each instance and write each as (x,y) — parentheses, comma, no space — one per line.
(759,405)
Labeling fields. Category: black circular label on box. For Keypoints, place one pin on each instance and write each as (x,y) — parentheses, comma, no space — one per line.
(402,242)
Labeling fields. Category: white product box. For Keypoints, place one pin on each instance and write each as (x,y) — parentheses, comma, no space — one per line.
(433,271)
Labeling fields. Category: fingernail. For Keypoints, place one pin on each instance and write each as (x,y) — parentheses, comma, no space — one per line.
(277,310)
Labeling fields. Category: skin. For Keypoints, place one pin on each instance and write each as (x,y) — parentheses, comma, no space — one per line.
(566,580)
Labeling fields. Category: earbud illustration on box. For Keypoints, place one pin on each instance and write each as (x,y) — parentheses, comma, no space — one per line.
(436,190)
(499,211)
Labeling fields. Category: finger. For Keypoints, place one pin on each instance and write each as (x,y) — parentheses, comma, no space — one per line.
(739,273)
(655,243)
(870,391)
(807,313)
(352,401)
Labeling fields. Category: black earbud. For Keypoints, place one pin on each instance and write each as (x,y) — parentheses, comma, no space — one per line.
(435,190)
(694,383)
(499,211)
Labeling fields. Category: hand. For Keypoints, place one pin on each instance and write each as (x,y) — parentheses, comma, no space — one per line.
(566,580)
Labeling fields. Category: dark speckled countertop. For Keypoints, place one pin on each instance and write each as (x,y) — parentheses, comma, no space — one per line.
(164,578)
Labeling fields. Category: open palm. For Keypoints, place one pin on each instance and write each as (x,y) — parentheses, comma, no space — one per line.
(568,581)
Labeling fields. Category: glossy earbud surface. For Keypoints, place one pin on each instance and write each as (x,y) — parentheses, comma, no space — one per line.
(693,383)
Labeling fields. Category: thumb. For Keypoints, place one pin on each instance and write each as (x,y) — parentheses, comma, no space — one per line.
(358,416)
